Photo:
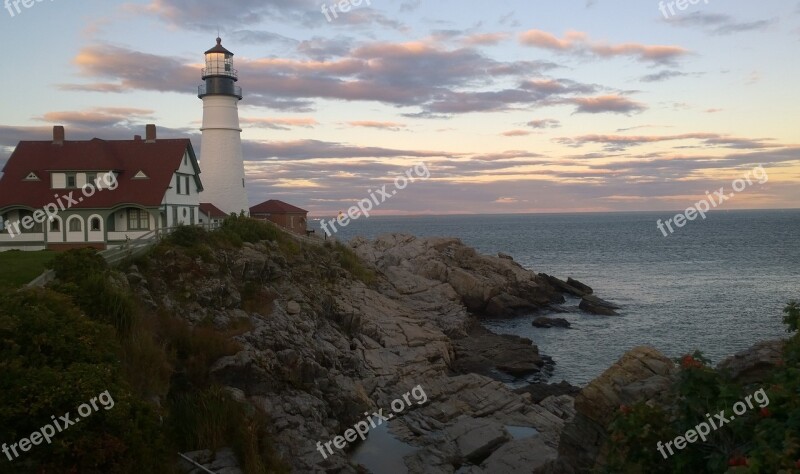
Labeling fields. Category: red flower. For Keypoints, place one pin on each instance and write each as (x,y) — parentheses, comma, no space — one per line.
(737,460)
(765,413)
(690,362)
(797,464)
(625,409)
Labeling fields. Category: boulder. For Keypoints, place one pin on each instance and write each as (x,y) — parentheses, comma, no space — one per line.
(580,286)
(563,286)
(545,322)
(476,438)
(642,375)
(293,307)
(595,305)
(754,364)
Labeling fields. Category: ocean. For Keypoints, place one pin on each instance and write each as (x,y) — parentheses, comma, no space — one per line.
(717,285)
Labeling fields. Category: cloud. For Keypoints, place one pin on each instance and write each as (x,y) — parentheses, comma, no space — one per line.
(607,103)
(544,123)
(99,117)
(391,126)
(622,142)
(718,24)
(398,74)
(663,76)
(315,149)
(516,133)
(280,123)
(576,42)
(485,39)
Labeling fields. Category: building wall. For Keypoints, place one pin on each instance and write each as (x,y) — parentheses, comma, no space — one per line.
(182,209)
(296,222)
(221,161)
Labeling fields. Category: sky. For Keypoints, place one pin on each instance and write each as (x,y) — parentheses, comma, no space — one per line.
(515,106)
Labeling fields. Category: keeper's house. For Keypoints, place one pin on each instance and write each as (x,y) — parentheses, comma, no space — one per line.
(157,186)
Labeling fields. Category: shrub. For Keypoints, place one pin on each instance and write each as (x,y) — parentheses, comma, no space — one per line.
(53,359)
(75,265)
(761,440)
(352,263)
(212,419)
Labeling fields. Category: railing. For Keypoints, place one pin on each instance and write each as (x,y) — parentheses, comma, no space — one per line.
(220,71)
(130,249)
(203,90)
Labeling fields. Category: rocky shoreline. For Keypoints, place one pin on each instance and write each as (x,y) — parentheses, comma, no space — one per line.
(325,348)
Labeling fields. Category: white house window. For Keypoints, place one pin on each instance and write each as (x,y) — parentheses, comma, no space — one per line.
(91,178)
(138,219)
(75,225)
(188,189)
(178,182)
(55,225)
(94,224)
(71,180)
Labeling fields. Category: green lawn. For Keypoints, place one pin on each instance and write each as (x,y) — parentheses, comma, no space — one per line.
(18,268)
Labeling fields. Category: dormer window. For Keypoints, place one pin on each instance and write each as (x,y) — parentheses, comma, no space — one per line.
(140,175)
(32,177)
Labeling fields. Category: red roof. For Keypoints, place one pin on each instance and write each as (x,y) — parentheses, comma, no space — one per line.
(158,160)
(273,206)
(211,210)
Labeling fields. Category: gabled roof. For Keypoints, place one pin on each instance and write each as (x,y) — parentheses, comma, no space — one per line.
(211,210)
(159,160)
(273,206)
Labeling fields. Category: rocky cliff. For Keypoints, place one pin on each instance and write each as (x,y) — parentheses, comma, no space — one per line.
(325,347)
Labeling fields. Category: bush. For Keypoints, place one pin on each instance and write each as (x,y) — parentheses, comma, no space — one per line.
(211,419)
(75,265)
(763,439)
(352,263)
(53,359)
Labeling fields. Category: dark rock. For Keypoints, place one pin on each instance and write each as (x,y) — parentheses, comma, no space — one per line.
(483,352)
(642,375)
(563,286)
(754,365)
(545,322)
(505,306)
(580,286)
(505,256)
(540,391)
(595,305)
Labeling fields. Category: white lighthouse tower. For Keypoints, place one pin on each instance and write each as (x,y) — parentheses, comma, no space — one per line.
(221,156)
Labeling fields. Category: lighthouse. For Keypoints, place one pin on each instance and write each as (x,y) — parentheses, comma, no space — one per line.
(221,157)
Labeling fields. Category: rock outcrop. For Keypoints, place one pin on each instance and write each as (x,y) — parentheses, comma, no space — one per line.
(641,375)
(754,364)
(595,305)
(323,347)
(545,322)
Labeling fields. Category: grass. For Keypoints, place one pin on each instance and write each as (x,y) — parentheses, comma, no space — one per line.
(20,268)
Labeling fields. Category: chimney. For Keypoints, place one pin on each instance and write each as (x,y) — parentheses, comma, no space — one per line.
(58,135)
(137,138)
(150,135)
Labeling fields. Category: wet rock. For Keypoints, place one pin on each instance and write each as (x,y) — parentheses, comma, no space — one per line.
(540,391)
(563,286)
(545,322)
(595,305)
(580,286)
